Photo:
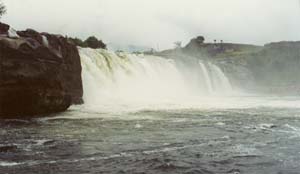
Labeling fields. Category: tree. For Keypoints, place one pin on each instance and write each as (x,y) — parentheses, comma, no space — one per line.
(200,39)
(2,9)
(93,42)
(77,42)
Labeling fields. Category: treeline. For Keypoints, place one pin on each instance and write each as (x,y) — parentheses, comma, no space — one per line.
(2,9)
(90,42)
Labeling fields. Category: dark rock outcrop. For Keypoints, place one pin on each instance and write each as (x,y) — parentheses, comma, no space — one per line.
(3,28)
(8,148)
(40,73)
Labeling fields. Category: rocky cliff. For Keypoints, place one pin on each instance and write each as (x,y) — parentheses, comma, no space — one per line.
(276,67)
(40,73)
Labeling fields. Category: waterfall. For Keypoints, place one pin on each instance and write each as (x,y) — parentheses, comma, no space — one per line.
(221,82)
(45,41)
(113,78)
(207,77)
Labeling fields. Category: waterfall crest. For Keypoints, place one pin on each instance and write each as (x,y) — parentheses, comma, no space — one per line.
(110,77)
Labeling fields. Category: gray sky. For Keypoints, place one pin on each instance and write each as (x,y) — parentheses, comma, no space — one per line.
(160,22)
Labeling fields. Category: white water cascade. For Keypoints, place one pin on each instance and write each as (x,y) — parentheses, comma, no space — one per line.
(207,78)
(45,41)
(118,78)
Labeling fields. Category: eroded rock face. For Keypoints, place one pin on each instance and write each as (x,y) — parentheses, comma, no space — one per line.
(40,74)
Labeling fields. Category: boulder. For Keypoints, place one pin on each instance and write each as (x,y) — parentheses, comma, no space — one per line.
(40,74)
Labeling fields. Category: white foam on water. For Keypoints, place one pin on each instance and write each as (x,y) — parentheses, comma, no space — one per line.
(9,164)
(245,150)
(266,126)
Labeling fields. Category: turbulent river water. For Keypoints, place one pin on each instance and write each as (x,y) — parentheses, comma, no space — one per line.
(146,114)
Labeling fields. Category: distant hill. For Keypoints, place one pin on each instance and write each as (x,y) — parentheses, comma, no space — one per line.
(273,67)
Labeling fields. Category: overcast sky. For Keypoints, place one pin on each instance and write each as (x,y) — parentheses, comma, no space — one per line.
(160,22)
